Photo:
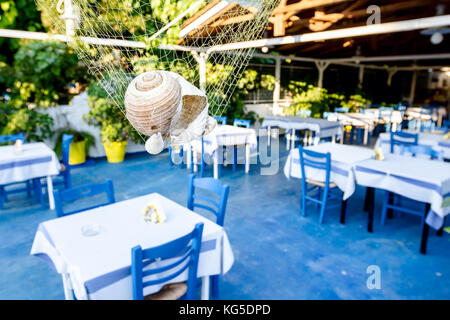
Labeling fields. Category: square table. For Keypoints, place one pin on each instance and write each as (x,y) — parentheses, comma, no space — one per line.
(228,136)
(99,266)
(322,128)
(419,179)
(343,159)
(35,161)
(436,141)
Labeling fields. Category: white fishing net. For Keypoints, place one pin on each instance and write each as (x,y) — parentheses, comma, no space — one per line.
(119,39)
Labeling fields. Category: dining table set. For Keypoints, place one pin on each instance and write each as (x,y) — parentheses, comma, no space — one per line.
(423,180)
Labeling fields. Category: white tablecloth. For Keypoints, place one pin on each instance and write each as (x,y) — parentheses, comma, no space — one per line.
(419,179)
(424,114)
(323,128)
(436,141)
(225,135)
(99,266)
(343,158)
(36,160)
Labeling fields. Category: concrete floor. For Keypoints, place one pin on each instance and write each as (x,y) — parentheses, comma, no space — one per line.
(278,253)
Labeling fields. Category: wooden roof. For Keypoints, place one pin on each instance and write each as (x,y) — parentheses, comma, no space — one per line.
(293,17)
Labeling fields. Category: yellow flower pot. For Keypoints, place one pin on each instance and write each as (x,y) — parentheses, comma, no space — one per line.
(77,153)
(115,151)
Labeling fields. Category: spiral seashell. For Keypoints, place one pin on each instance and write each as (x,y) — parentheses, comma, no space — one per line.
(154,144)
(152,100)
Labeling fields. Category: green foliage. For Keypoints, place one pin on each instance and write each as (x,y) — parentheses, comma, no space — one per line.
(307,97)
(114,126)
(15,119)
(77,137)
(355,102)
(43,71)
(319,100)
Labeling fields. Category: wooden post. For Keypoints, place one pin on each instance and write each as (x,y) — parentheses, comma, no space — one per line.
(321,66)
(413,88)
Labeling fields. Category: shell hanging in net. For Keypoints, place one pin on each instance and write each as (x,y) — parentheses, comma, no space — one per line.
(152,100)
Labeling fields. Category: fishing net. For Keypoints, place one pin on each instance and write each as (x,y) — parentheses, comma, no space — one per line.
(119,39)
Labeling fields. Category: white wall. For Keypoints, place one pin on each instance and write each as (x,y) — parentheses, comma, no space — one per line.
(71,117)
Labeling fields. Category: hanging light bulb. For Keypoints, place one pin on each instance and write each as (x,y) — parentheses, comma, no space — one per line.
(437,38)
(265,49)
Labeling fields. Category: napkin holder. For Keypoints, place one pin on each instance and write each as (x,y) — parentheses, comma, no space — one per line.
(18,147)
(379,154)
(154,213)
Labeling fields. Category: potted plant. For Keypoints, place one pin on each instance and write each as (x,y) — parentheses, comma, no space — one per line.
(115,128)
(114,140)
(79,147)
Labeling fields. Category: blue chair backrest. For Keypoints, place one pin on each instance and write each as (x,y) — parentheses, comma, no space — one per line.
(341,110)
(82,192)
(316,160)
(66,141)
(221,120)
(422,150)
(214,186)
(12,138)
(304,113)
(400,107)
(425,110)
(332,115)
(185,249)
(403,139)
(241,123)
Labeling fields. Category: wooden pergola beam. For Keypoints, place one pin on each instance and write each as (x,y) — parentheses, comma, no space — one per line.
(306,4)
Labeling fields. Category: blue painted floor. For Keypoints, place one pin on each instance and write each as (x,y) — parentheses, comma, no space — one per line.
(278,253)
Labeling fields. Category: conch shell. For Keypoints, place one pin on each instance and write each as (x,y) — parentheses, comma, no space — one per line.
(169,109)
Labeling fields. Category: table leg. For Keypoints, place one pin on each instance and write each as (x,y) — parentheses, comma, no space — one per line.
(425,231)
(316,140)
(390,212)
(269,136)
(343,211)
(189,155)
(247,158)
(51,200)
(68,294)
(366,135)
(205,288)
(293,139)
(333,139)
(216,165)
(194,164)
(371,207)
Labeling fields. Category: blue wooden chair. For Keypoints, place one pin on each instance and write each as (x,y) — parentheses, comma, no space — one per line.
(82,192)
(10,138)
(218,208)
(341,110)
(403,139)
(320,192)
(221,120)
(242,123)
(304,113)
(186,251)
(415,150)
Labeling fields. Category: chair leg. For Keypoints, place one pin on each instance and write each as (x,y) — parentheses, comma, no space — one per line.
(324,205)
(440,232)
(351,135)
(234,158)
(181,157)
(304,200)
(343,210)
(38,192)
(425,230)
(214,280)
(1,196)
(385,209)
(29,188)
(170,156)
